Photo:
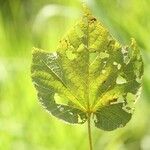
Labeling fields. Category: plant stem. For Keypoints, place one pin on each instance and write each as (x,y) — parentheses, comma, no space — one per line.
(89,132)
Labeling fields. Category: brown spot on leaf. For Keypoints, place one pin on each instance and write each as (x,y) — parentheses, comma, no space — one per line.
(113,100)
(93,19)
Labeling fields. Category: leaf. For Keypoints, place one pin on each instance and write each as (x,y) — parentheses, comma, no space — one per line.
(90,73)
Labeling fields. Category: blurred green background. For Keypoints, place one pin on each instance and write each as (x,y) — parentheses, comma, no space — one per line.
(24,24)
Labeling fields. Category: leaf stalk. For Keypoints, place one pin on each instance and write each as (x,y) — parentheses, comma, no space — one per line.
(89,132)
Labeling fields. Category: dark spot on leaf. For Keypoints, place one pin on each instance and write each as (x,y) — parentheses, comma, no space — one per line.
(104,82)
(110,42)
(128,108)
(93,19)
(113,100)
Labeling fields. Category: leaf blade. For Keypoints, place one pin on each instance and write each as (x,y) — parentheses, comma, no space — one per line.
(92,72)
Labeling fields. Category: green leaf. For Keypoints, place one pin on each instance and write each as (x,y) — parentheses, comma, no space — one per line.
(111,117)
(89,73)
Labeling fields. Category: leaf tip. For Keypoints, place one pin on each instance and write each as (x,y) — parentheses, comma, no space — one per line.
(86,9)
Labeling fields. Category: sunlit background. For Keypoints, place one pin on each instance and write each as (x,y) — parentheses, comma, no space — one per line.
(24,24)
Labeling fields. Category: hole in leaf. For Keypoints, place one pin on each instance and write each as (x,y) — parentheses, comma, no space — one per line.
(130,98)
(128,109)
(61,109)
(71,113)
(121,126)
(115,63)
(95,118)
(138,93)
(60,100)
(138,80)
(126,59)
(119,66)
(120,99)
(121,80)
(81,120)
(124,50)
(103,71)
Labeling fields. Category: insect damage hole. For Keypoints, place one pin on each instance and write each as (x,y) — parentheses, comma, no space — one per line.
(117,64)
(121,80)
(60,100)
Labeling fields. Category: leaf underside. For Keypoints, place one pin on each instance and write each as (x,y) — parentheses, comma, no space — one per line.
(90,72)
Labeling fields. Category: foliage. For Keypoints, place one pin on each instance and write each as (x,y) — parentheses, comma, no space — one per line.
(22,125)
(90,73)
